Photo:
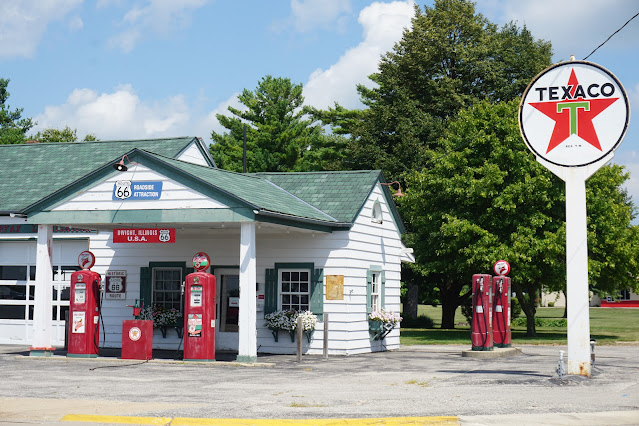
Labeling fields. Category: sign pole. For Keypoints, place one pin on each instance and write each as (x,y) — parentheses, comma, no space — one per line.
(577,302)
(577,293)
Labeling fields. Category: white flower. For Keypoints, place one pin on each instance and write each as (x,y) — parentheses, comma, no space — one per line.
(387,317)
(309,321)
(287,320)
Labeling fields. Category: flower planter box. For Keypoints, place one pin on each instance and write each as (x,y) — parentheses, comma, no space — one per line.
(378,329)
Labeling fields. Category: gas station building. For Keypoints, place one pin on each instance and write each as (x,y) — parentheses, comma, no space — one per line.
(328,242)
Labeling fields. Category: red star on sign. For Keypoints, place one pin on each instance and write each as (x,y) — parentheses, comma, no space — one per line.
(573,116)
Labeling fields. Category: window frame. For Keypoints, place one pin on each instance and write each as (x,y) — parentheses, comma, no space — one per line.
(377,215)
(272,298)
(375,270)
(155,291)
(146,280)
(299,293)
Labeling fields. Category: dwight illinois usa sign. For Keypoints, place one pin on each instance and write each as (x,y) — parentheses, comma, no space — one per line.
(574,114)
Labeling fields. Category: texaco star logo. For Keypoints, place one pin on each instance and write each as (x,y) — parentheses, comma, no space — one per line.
(574,113)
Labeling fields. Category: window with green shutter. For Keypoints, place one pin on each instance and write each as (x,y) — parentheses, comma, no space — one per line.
(160,283)
(297,286)
(375,289)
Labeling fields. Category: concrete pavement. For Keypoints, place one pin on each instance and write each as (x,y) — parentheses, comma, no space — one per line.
(414,385)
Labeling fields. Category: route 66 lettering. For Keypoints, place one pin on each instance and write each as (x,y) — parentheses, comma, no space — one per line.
(123,189)
(165,235)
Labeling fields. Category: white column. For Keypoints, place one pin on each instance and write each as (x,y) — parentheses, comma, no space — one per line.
(577,274)
(247,348)
(42,327)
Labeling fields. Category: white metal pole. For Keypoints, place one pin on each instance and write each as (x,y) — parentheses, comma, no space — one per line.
(577,274)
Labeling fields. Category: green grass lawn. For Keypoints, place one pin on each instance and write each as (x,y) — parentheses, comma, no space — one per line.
(607,325)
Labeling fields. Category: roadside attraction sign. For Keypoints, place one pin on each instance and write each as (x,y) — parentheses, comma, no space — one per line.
(573,116)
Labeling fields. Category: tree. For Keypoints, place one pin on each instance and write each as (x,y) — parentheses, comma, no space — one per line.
(487,198)
(65,135)
(279,136)
(13,127)
(449,60)
(612,250)
(473,206)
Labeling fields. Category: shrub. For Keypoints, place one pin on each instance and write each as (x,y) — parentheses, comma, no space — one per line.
(551,304)
(540,322)
(467,309)
(515,308)
(422,321)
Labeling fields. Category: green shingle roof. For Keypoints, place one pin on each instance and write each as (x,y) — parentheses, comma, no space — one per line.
(254,190)
(30,172)
(340,194)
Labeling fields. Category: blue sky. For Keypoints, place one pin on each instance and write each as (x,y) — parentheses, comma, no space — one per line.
(126,69)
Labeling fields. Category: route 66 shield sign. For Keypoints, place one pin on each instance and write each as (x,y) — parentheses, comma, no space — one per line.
(122,189)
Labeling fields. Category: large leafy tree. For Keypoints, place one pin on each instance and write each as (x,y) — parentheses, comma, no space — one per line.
(473,205)
(279,135)
(13,128)
(451,58)
(485,197)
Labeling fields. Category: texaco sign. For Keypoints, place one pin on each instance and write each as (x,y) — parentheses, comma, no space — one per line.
(574,114)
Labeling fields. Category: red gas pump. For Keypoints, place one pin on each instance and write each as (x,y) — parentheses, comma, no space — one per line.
(501,311)
(482,327)
(84,310)
(199,312)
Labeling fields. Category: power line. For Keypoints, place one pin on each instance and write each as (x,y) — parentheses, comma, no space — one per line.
(611,35)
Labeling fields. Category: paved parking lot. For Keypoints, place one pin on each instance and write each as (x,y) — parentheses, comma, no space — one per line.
(413,382)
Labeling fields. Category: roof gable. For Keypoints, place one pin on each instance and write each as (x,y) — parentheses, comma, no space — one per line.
(30,172)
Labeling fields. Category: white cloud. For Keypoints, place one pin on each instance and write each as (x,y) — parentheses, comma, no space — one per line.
(155,17)
(572,26)
(310,14)
(76,23)
(119,115)
(383,25)
(210,121)
(22,24)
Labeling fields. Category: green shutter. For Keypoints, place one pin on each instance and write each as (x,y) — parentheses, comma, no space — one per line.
(317,292)
(369,291)
(383,289)
(146,292)
(270,291)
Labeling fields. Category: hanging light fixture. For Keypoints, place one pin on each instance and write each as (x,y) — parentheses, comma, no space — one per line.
(399,188)
(120,167)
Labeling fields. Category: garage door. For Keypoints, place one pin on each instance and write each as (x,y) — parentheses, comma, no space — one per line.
(17,287)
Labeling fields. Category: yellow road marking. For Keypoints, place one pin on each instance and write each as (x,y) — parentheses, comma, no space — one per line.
(187,421)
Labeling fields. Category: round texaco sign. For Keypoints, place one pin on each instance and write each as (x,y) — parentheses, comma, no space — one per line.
(574,113)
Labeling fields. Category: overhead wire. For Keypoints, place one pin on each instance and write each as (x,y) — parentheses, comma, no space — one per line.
(611,35)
